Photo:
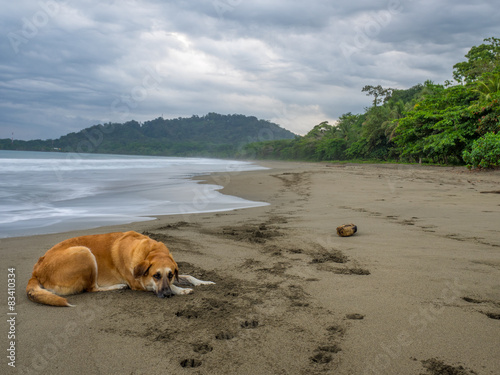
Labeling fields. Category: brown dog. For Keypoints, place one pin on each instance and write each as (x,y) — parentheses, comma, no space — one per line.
(103,262)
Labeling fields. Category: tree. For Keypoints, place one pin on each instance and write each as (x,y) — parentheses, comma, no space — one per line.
(481,59)
(331,149)
(349,127)
(378,93)
(487,86)
(485,152)
(320,131)
(440,126)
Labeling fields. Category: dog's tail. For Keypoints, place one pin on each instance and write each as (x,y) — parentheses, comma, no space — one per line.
(36,293)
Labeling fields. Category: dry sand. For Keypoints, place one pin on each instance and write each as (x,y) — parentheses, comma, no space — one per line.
(415,291)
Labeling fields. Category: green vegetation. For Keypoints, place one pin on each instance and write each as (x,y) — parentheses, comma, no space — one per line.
(211,135)
(431,123)
(454,123)
(485,152)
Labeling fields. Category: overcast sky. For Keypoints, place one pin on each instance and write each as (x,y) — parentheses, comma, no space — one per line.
(67,65)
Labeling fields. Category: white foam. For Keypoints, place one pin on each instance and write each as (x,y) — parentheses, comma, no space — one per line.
(65,162)
(51,192)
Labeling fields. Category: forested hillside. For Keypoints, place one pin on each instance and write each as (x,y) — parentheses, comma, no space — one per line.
(454,123)
(210,135)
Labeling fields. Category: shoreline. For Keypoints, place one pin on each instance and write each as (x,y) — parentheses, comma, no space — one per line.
(44,197)
(412,289)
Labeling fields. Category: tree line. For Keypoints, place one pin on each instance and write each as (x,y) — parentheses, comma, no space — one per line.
(452,123)
(212,135)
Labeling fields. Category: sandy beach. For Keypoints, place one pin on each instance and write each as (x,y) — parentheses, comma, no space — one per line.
(415,291)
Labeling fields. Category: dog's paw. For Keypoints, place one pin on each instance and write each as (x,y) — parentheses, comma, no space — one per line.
(186,291)
(206,282)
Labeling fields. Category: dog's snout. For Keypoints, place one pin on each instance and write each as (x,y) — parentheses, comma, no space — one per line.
(165,294)
(165,291)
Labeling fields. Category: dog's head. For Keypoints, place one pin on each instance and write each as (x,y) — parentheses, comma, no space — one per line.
(157,272)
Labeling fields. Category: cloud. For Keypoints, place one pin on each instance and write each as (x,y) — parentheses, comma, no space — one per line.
(66,65)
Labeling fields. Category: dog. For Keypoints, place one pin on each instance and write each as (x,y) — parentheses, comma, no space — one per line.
(103,262)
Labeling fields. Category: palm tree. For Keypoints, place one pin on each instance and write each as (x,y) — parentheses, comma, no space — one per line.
(487,87)
(394,113)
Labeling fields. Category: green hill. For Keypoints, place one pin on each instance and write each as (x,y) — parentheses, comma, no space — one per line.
(210,135)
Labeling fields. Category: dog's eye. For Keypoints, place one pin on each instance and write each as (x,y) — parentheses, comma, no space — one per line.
(170,275)
(157,276)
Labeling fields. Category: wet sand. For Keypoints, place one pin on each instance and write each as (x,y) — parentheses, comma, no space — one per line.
(415,291)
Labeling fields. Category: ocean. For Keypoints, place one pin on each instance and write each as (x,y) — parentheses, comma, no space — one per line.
(52,192)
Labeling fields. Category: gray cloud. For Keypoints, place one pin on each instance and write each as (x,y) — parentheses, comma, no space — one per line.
(66,65)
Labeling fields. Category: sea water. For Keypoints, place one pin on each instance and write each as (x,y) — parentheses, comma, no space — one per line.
(51,192)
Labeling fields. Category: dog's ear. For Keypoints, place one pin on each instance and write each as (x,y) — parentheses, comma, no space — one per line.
(142,269)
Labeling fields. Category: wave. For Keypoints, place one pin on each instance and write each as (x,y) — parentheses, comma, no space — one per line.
(9,165)
(51,192)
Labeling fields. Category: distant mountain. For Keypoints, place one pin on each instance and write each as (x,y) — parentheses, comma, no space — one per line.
(210,135)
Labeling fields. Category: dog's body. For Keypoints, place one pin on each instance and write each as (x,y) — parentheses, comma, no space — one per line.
(105,262)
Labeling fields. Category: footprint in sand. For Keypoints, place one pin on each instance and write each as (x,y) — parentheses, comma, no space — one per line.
(249,324)
(225,335)
(492,315)
(329,348)
(191,362)
(202,348)
(472,300)
(321,358)
(489,314)
(355,316)
(188,313)
(336,329)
